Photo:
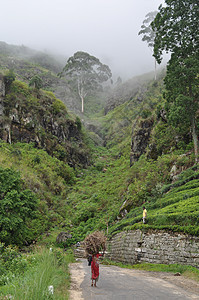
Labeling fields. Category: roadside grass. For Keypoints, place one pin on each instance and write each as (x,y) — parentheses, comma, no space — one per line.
(187,271)
(50,268)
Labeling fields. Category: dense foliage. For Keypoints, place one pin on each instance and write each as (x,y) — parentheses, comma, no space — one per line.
(48,179)
(175,28)
(29,275)
(17,208)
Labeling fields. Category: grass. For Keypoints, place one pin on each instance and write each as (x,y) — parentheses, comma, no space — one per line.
(50,269)
(187,271)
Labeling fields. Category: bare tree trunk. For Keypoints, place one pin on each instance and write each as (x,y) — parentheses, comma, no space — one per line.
(81,93)
(82,98)
(155,70)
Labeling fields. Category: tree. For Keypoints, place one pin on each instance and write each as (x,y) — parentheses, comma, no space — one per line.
(182,94)
(86,73)
(148,32)
(176,31)
(36,82)
(176,28)
(17,208)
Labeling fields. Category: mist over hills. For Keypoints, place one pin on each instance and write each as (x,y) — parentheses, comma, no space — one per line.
(27,62)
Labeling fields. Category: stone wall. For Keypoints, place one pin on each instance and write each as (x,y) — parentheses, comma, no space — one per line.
(156,247)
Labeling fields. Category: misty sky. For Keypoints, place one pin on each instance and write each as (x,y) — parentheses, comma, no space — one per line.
(107,29)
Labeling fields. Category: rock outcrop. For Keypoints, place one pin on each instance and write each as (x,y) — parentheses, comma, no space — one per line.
(63,237)
(37,117)
(140,138)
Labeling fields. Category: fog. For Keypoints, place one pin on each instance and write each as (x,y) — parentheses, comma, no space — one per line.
(107,29)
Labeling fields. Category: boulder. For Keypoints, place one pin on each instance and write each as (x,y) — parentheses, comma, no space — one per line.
(63,237)
(140,138)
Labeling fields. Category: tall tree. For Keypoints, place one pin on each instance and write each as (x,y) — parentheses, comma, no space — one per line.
(86,72)
(176,28)
(148,32)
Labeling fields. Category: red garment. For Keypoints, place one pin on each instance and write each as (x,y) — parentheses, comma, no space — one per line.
(95,266)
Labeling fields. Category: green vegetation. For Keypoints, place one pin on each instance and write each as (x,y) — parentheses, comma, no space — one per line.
(44,120)
(175,30)
(29,276)
(98,196)
(109,194)
(57,176)
(17,208)
(36,82)
(187,271)
(47,177)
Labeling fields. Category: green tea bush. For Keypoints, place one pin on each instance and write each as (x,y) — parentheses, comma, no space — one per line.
(180,182)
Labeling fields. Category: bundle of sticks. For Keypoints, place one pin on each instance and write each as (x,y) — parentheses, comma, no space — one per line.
(94,243)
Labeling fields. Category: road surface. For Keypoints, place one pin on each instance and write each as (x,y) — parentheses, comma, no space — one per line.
(124,284)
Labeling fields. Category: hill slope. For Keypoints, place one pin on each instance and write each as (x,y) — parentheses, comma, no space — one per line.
(109,195)
(137,158)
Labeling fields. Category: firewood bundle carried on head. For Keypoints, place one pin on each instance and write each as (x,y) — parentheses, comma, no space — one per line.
(94,243)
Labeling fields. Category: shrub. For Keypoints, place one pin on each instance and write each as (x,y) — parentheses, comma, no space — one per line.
(78,123)
(36,82)
(8,79)
(17,207)
(58,106)
(12,263)
(45,268)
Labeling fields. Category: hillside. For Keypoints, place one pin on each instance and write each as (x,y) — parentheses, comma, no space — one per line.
(127,156)
(42,147)
(27,63)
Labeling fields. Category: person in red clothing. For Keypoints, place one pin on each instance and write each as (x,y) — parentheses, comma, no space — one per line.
(95,268)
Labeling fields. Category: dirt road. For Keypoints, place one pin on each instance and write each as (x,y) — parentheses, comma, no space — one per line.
(124,284)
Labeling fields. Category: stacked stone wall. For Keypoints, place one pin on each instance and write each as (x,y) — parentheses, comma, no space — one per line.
(157,247)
